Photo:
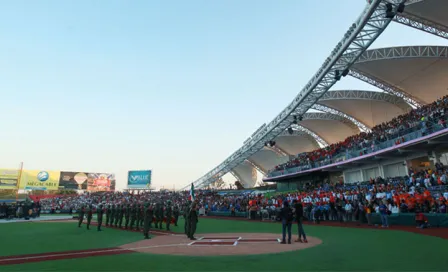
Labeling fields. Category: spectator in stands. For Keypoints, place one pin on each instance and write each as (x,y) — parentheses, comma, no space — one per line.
(384,212)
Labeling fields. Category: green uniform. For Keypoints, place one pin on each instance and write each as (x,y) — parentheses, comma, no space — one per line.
(176,214)
(112,215)
(168,214)
(147,220)
(80,216)
(108,212)
(193,219)
(159,215)
(127,215)
(117,214)
(133,215)
(138,217)
(120,215)
(187,219)
(99,216)
(89,212)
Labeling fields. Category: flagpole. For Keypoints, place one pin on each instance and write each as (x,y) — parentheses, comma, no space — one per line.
(19,177)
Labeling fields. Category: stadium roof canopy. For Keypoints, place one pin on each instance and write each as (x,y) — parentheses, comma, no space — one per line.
(415,73)
(426,15)
(407,75)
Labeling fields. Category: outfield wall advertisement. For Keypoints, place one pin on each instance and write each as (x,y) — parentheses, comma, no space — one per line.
(87,181)
(9,178)
(40,180)
(139,179)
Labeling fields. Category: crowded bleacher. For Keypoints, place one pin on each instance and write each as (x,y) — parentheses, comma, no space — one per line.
(418,122)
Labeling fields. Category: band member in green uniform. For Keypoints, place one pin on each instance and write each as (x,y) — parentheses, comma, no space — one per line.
(187,218)
(159,215)
(138,216)
(112,215)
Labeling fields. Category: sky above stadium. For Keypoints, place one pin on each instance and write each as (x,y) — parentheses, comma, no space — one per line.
(172,86)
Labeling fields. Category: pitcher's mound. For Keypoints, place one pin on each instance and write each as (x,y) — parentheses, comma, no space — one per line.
(218,244)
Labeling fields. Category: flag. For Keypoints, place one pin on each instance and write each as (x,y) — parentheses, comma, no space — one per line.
(192,198)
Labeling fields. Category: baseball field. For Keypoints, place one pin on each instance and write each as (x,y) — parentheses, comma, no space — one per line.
(222,245)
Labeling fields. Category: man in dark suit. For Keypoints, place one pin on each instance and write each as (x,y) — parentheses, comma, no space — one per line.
(287,217)
(298,210)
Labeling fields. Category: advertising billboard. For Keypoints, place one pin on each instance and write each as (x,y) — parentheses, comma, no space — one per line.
(40,180)
(9,178)
(139,179)
(97,182)
(73,180)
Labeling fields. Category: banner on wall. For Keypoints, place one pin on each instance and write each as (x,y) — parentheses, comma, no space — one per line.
(9,178)
(73,180)
(40,180)
(139,179)
(98,182)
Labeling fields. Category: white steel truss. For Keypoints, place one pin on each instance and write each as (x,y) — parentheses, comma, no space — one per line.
(365,95)
(277,150)
(363,127)
(395,53)
(316,137)
(416,22)
(329,116)
(362,33)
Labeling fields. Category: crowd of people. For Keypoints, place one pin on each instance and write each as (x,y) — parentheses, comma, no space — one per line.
(424,191)
(424,118)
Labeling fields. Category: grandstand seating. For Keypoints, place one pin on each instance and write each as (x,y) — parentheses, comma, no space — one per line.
(413,125)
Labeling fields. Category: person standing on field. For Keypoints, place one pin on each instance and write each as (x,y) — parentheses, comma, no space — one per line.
(193,221)
(147,220)
(80,215)
(287,217)
(99,216)
(89,215)
(187,219)
(298,209)
(108,211)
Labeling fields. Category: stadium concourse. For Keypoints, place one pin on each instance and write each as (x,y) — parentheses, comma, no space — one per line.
(402,78)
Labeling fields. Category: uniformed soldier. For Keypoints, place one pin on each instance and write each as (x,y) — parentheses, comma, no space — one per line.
(133,215)
(99,216)
(193,220)
(187,218)
(176,214)
(127,215)
(112,215)
(117,215)
(138,216)
(80,215)
(108,211)
(159,215)
(120,215)
(89,213)
(168,214)
(147,220)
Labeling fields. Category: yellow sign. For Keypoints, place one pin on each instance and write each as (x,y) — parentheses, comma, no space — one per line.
(8,178)
(40,180)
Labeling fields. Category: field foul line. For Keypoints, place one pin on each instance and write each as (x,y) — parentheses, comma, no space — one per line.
(88,252)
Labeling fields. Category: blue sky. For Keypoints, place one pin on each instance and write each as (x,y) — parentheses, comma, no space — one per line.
(172,86)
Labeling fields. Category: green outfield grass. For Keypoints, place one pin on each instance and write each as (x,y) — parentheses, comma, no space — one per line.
(342,249)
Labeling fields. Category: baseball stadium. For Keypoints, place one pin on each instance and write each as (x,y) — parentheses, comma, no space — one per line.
(339,180)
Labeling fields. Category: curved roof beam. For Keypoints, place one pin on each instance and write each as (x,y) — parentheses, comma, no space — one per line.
(277,150)
(318,139)
(396,53)
(257,166)
(361,34)
(359,124)
(366,95)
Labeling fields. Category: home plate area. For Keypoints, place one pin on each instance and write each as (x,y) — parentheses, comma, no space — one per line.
(218,244)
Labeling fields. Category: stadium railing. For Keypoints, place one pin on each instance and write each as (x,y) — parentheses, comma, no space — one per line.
(410,134)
